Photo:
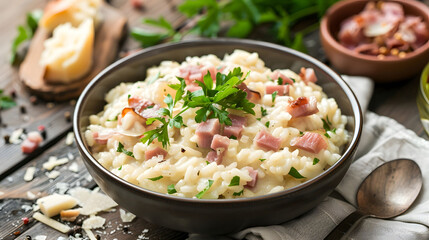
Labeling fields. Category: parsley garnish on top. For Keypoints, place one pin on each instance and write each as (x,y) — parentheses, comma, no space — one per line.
(200,194)
(212,101)
(327,126)
(123,150)
(294,173)
(235,181)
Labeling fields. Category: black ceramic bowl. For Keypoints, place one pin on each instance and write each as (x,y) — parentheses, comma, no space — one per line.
(223,215)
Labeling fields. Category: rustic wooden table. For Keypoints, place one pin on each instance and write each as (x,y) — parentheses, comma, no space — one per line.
(397,100)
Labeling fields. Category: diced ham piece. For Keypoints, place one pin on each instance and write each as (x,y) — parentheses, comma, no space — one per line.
(351,33)
(254,175)
(220,146)
(206,131)
(220,142)
(139,104)
(101,138)
(192,87)
(154,152)
(310,142)
(282,90)
(32,142)
(367,48)
(28,146)
(143,107)
(215,156)
(237,126)
(252,96)
(302,107)
(285,80)
(192,73)
(393,12)
(308,75)
(267,142)
(35,136)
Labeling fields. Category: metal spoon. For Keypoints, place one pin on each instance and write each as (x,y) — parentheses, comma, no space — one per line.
(386,193)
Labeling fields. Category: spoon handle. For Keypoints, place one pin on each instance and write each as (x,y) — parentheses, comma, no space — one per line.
(346,226)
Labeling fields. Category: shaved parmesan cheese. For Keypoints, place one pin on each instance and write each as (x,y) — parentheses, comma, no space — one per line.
(91,202)
(90,234)
(68,54)
(93,222)
(53,162)
(72,11)
(126,216)
(69,215)
(51,222)
(31,195)
(29,174)
(52,174)
(53,204)
(74,167)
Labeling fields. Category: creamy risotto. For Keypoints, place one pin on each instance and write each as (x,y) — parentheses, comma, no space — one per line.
(292,132)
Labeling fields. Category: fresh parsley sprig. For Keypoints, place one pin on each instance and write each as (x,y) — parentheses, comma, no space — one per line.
(213,100)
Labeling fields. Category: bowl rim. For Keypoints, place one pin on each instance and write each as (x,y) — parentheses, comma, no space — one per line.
(326,33)
(348,153)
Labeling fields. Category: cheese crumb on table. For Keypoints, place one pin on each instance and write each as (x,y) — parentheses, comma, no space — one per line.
(93,222)
(29,174)
(52,174)
(53,162)
(126,216)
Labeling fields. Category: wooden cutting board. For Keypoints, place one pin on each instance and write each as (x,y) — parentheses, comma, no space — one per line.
(106,44)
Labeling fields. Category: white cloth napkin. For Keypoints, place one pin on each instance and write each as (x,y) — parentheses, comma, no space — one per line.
(383,139)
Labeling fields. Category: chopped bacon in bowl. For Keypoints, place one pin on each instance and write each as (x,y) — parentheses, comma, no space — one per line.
(383,29)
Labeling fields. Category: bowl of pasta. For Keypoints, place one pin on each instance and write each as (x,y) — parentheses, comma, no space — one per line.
(213,136)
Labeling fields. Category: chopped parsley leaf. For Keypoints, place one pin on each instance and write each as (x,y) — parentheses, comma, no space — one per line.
(155,178)
(273,96)
(235,181)
(207,162)
(262,159)
(120,168)
(327,135)
(267,124)
(293,79)
(315,161)
(294,173)
(112,120)
(301,133)
(171,189)
(263,112)
(200,194)
(123,150)
(238,193)
(280,81)
(233,137)
(259,119)
(129,95)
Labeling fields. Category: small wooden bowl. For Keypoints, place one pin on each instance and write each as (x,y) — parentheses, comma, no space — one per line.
(347,61)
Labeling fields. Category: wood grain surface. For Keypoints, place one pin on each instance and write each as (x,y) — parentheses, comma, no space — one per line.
(397,101)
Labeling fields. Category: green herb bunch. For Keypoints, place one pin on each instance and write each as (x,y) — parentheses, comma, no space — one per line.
(241,17)
(212,101)
(25,33)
